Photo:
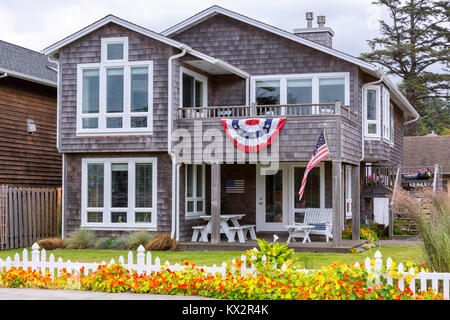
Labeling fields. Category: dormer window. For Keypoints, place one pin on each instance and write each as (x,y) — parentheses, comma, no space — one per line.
(114,96)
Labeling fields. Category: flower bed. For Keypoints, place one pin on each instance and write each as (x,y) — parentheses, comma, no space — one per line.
(335,282)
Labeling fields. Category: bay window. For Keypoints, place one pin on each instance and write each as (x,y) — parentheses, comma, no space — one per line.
(195,190)
(119,193)
(388,117)
(115,95)
(372,111)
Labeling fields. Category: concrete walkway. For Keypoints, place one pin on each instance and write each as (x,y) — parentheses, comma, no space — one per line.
(43,294)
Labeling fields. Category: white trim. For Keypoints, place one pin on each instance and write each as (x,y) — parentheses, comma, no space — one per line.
(126,115)
(114,40)
(315,77)
(196,213)
(197,77)
(24,76)
(288,195)
(110,18)
(212,11)
(131,209)
(377,121)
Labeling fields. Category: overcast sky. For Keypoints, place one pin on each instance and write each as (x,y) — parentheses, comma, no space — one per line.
(36,24)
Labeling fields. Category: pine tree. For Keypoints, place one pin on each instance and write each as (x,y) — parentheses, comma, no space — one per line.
(415,38)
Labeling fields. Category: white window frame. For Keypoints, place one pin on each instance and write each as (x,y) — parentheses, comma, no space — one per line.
(377,121)
(391,119)
(114,40)
(348,209)
(131,209)
(126,114)
(196,213)
(197,77)
(315,77)
(387,121)
(293,193)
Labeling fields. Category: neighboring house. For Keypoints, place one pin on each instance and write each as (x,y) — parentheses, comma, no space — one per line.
(28,153)
(124,89)
(426,152)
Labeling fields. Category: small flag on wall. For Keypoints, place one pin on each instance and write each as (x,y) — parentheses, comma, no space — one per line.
(234,186)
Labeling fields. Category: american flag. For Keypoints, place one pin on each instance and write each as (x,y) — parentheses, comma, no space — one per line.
(320,152)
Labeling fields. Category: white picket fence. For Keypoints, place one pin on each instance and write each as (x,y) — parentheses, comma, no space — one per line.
(144,264)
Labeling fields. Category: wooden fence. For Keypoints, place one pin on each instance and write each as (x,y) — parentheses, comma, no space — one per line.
(144,263)
(28,214)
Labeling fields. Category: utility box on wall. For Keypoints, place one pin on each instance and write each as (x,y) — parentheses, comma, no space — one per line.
(381,211)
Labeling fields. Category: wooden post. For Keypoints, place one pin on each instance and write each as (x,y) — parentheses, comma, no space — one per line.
(215,203)
(356,196)
(337,205)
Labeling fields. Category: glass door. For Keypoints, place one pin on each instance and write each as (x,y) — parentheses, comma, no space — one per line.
(272,204)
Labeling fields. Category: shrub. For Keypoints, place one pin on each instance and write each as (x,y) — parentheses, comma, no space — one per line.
(120,243)
(277,253)
(104,243)
(81,239)
(135,239)
(50,243)
(162,243)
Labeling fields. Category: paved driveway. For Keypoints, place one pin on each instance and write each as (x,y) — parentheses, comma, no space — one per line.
(43,294)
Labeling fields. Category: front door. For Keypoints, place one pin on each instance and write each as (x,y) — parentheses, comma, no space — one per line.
(272,199)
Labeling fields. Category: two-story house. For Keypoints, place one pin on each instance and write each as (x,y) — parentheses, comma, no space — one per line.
(145,136)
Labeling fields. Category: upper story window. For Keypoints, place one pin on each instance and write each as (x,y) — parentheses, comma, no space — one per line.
(388,117)
(301,89)
(193,89)
(115,96)
(372,112)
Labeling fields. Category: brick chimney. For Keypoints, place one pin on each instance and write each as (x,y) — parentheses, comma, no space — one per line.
(321,34)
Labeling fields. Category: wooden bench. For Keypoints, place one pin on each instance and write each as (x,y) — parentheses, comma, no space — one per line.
(242,232)
(199,231)
(315,216)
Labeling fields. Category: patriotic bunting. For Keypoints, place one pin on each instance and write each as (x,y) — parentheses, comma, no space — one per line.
(252,135)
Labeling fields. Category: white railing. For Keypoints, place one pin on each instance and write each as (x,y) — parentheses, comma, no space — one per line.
(145,264)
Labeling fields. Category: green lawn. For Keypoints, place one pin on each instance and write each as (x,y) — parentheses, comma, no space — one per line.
(307,260)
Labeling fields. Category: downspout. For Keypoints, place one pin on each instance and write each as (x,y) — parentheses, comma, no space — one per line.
(411,121)
(178,203)
(169,142)
(63,182)
(364,113)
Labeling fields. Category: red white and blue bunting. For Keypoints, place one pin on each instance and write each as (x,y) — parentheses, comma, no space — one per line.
(252,135)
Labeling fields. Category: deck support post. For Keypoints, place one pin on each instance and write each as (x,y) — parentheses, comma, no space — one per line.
(356,207)
(215,203)
(337,202)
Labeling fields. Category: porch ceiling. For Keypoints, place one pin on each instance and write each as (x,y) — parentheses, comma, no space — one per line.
(216,67)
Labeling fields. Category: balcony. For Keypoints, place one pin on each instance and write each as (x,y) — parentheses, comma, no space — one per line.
(264,111)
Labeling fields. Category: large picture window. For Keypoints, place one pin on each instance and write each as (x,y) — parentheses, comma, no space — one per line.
(195,189)
(114,96)
(119,193)
(306,89)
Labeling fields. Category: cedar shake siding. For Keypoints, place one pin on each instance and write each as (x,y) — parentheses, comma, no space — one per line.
(28,159)
(72,217)
(87,50)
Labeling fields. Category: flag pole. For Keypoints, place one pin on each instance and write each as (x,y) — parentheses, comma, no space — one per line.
(326,139)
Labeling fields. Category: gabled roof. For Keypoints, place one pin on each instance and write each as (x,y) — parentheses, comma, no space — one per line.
(214,10)
(111,18)
(426,151)
(365,66)
(26,64)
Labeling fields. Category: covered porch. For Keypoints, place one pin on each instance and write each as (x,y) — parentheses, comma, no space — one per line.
(268,200)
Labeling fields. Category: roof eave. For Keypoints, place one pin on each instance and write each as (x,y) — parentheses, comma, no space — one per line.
(24,76)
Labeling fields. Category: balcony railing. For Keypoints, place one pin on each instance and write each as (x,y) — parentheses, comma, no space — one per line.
(288,110)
